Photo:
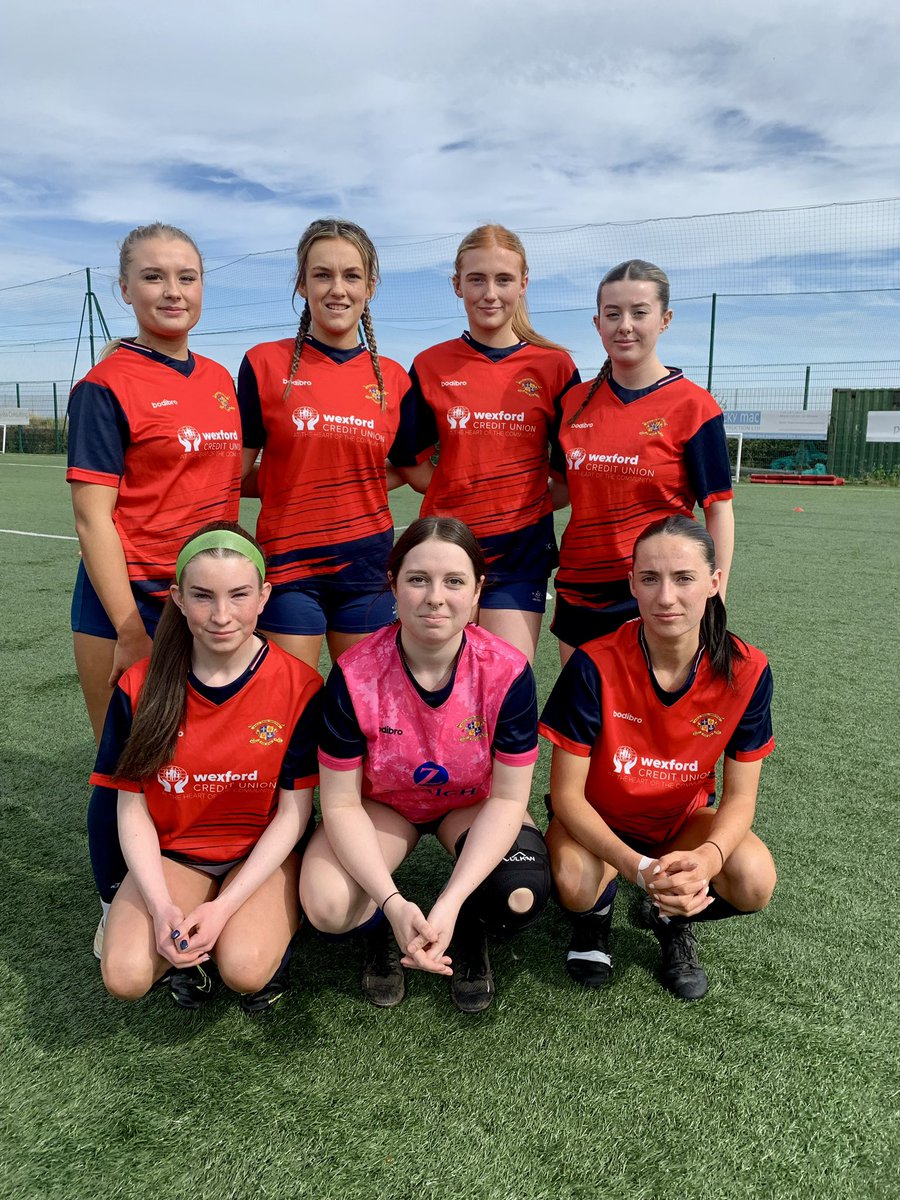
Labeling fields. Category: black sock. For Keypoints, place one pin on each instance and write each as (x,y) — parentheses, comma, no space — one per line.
(720,910)
(604,901)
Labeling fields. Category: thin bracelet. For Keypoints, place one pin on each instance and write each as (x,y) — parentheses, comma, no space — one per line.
(710,842)
(397,893)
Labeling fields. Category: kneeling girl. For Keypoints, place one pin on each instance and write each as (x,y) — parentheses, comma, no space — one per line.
(638,721)
(429,726)
(211,743)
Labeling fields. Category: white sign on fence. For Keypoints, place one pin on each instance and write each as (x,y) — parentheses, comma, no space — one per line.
(883,426)
(777,423)
(12,416)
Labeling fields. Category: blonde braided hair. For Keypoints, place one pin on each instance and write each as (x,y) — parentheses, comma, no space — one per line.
(369,334)
(302,331)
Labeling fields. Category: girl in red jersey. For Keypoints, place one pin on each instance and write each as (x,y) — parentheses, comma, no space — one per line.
(429,727)
(638,721)
(490,400)
(212,744)
(154,451)
(325,410)
(637,443)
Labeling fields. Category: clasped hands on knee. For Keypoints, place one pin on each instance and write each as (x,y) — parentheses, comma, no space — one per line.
(678,882)
(423,940)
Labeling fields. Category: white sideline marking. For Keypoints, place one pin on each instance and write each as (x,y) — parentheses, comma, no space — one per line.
(59,537)
(39,466)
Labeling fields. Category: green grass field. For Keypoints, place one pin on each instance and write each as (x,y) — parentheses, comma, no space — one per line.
(783,1082)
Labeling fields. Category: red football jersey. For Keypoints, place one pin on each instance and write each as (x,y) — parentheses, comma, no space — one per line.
(322,478)
(495,415)
(628,464)
(213,801)
(654,764)
(176,466)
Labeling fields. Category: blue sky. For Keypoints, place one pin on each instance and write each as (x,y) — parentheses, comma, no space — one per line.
(243,122)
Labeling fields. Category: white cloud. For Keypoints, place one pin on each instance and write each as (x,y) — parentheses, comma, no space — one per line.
(242,122)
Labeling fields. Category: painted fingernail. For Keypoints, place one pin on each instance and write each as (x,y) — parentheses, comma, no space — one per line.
(176,934)
(183,944)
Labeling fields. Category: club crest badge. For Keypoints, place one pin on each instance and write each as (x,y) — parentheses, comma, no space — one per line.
(267,733)
(655,427)
(224,402)
(472,727)
(707,725)
(529,387)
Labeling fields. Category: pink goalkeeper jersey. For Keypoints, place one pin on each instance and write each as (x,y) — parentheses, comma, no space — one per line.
(425,761)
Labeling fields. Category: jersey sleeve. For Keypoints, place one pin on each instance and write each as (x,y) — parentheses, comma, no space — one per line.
(342,744)
(403,448)
(254,431)
(116,731)
(572,715)
(706,460)
(753,737)
(425,430)
(98,436)
(557,454)
(515,738)
(300,768)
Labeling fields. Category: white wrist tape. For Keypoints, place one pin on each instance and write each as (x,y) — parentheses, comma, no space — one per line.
(642,867)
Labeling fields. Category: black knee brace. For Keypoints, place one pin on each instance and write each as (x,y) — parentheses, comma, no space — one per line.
(525,865)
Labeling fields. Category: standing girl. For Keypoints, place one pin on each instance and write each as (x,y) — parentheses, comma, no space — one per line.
(325,410)
(638,443)
(638,721)
(429,726)
(211,743)
(489,400)
(154,451)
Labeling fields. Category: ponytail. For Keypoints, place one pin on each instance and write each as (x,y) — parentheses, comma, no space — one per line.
(524,331)
(722,648)
(163,700)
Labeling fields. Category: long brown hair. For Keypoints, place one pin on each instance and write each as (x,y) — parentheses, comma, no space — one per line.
(485,237)
(722,647)
(347,231)
(163,700)
(644,272)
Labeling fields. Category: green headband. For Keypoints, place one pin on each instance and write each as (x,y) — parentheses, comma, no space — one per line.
(219,539)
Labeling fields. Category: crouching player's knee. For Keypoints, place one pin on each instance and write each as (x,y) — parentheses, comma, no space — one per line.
(516,892)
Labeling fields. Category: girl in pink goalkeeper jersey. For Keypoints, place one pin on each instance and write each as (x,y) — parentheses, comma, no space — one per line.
(430,726)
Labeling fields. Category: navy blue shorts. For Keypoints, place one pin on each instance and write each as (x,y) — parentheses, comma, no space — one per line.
(576,624)
(89,615)
(309,607)
(528,596)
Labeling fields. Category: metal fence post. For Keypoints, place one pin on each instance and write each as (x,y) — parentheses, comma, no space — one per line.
(806,390)
(55,419)
(712,343)
(19,405)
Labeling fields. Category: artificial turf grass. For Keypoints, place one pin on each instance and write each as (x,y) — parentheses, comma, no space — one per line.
(783,1082)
